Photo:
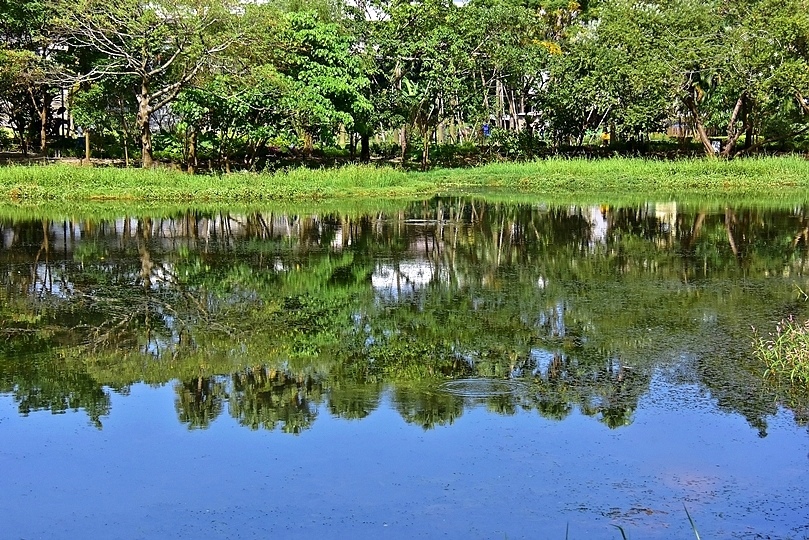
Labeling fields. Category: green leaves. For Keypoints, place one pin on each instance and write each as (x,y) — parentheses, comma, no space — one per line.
(325,83)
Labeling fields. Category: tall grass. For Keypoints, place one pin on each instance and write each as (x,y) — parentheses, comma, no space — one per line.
(785,352)
(781,177)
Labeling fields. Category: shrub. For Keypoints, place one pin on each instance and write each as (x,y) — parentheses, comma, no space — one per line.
(517,145)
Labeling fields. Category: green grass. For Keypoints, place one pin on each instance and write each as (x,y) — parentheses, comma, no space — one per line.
(628,175)
(70,183)
(785,352)
(775,178)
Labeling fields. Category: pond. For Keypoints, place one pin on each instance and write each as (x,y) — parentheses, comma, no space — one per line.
(455,367)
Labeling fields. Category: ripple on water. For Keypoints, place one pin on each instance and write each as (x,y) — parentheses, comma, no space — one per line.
(482,388)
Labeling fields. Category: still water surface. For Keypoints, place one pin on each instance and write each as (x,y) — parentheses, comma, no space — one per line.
(449,368)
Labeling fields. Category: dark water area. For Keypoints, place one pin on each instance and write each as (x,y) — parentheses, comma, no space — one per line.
(447,368)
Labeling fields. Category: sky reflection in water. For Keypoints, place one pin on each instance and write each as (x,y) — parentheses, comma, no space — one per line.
(485,476)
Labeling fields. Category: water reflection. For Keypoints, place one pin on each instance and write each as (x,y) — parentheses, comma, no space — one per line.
(270,316)
(266,398)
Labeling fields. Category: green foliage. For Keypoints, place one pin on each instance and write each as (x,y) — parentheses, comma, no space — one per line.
(517,146)
(199,401)
(247,85)
(324,84)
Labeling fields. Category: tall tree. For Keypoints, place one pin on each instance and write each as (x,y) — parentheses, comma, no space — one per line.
(162,43)
(324,79)
(518,41)
(427,63)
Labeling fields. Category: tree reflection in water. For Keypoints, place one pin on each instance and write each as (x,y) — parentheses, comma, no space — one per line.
(266,398)
(276,316)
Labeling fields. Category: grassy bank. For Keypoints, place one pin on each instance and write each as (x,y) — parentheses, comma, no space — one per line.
(71,183)
(773,178)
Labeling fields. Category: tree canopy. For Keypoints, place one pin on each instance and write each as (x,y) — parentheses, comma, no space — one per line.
(235,83)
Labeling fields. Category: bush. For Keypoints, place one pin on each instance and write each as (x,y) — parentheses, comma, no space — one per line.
(518,146)
(168,146)
(388,150)
(6,139)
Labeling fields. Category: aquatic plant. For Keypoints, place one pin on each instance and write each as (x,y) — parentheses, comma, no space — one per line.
(691,521)
(785,352)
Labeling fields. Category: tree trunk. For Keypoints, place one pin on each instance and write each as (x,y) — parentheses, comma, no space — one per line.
(23,142)
(748,135)
(42,110)
(343,137)
(498,88)
(748,123)
(43,130)
(733,131)
(513,112)
(690,241)
(403,143)
(252,159)
(125,134)
(425,149)
(192,150)
(145,130)
(730,219)
(802,102)
(699,127)
(365,147)
(87,146)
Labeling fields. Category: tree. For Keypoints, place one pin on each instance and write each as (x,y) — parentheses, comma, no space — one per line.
(15,81)
(516,45)
(426,64)
(161,43)
(626,66)
(107,108)
(770,72)
(28,57)
(324,83)
(733,67)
